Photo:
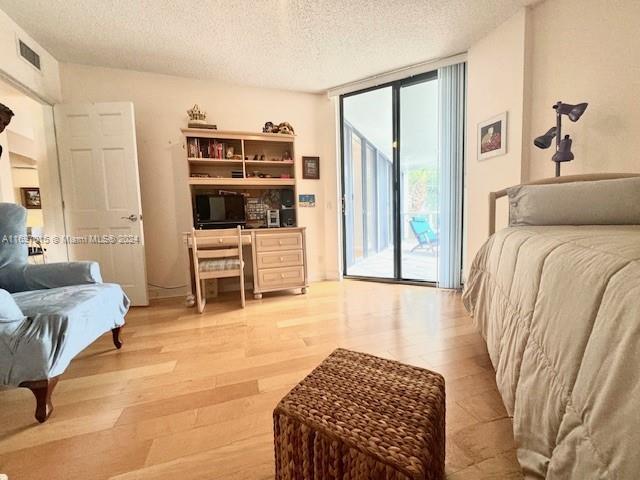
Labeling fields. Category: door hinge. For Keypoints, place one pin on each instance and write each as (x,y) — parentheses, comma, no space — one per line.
(343,202)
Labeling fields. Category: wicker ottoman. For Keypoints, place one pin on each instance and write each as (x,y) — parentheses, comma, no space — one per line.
(360,417)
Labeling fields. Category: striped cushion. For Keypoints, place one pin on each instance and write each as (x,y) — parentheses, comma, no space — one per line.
(219,264)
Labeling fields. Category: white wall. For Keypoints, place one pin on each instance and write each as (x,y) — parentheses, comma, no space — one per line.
(160,103)
(496,82)
(46,82)
(587,50)
(569,50)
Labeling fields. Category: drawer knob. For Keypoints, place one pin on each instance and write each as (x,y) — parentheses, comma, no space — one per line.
(220,240)
(279,242)
(282,259)
(282,275)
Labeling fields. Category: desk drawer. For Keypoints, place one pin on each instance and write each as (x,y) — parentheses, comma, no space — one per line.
(222,241)
(290,258)
(277,242)
(281,277)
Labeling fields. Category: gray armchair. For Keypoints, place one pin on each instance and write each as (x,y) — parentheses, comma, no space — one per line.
(48,313)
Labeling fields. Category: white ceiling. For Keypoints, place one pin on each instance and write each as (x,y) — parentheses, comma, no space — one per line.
(290,44)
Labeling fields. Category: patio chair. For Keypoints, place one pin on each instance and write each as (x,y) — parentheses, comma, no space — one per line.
(425,235)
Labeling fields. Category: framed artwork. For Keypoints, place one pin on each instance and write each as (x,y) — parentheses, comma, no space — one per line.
(31,197)
(311,168)
(307,200)
(492,137)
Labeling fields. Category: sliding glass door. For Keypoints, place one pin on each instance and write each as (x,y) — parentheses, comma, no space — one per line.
(367,184)
(419,180)
(392,180)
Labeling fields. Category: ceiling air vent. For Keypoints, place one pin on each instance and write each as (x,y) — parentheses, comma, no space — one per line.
(29,55)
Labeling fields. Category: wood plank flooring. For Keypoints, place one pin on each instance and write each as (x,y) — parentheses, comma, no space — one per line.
(190,396)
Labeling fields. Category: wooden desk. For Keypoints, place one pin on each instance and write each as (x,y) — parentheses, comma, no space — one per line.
(278,256)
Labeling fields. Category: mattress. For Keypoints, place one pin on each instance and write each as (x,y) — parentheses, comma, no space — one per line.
(559,308)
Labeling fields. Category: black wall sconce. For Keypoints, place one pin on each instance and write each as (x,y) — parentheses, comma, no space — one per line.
(563,145)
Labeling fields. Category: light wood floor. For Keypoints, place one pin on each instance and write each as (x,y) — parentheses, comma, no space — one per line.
(190,396)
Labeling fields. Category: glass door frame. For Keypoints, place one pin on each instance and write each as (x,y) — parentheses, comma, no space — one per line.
(396,87)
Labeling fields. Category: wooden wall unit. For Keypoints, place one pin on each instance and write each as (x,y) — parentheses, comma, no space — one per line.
(248,149)
(278,254)
(242,171)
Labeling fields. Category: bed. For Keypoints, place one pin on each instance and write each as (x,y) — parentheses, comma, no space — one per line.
(559,308)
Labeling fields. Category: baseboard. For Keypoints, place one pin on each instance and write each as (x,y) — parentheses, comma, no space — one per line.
(333,275)
(157,292)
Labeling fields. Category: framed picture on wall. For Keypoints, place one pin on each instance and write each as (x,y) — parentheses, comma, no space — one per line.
(31,197)
(492,137)
(311,168)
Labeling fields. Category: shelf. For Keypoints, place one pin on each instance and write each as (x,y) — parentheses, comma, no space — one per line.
(222,135)
(214,161)
(269,162)
(243,182)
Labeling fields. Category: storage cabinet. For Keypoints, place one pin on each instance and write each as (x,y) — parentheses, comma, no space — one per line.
(279,261)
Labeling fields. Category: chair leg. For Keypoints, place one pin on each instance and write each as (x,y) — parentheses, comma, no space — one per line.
(202,296)
(117,339)
(242,299)
(42,390)
(199,294)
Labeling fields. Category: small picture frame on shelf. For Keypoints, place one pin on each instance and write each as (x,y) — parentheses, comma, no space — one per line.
(311,168)
(31,197)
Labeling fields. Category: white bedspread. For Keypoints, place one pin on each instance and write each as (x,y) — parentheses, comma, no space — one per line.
(559,308)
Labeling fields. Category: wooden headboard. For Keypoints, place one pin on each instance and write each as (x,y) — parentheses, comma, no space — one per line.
(590,177)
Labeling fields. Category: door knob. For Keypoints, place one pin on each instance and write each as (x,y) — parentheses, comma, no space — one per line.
(131,218)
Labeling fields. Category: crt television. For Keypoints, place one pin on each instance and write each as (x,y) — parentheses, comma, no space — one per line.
(219,211)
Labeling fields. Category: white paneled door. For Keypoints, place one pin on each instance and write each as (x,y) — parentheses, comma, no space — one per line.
(101,191)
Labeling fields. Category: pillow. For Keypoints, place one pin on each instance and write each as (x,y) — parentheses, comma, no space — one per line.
(9,310)
(601,202)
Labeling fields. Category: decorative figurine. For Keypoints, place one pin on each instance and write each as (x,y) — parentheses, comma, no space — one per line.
(196,116)
(286,128)
(268,127)
(198,119)
(230,152)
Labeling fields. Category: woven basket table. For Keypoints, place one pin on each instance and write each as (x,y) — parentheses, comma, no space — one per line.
(358,417)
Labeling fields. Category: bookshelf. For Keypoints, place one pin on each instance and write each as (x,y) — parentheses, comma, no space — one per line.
(259,166)
(239,182)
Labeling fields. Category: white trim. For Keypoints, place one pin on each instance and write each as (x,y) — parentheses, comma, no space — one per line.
(398,74)
(22,88)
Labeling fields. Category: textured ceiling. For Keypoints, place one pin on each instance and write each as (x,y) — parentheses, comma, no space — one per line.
(291,44)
